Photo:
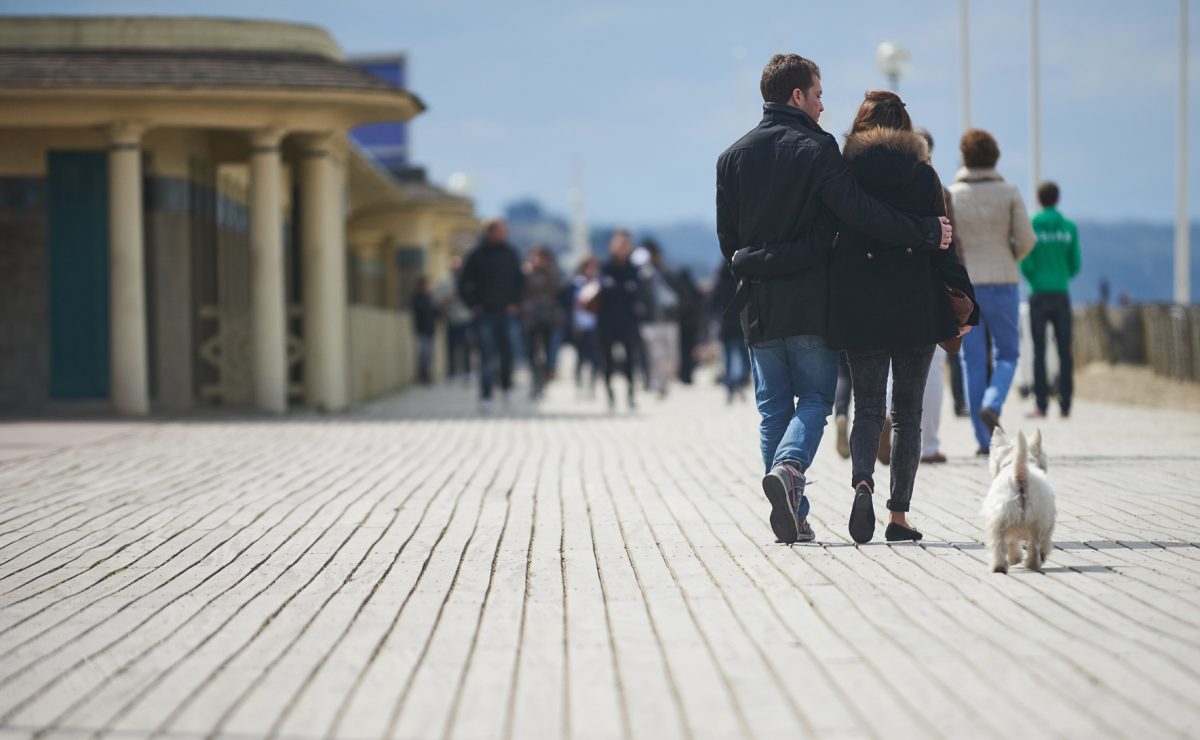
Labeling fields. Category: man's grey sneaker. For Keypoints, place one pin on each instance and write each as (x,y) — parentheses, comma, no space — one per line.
(784,486)
(804,532)
(862,515)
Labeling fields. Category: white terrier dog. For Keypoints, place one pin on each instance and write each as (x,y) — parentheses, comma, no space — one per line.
(1020,504)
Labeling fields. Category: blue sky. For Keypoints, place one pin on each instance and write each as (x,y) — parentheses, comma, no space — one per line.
(645,95)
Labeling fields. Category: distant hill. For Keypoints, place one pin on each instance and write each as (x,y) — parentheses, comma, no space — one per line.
(1136,258)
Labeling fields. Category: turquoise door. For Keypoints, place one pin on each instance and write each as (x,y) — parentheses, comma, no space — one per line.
(77,216)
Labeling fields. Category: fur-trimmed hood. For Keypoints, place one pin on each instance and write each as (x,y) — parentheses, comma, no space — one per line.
(885,158)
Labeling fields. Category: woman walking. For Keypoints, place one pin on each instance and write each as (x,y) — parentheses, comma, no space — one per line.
(889,307)
(994,230)
(542,314)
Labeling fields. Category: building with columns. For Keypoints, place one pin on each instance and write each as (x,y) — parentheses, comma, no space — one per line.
(183,222)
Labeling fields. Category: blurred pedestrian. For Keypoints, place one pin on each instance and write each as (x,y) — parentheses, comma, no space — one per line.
(935,384)
(736,373)
(841,408)
(458,324)
(691,320)
(889,307)
(425,315)
(586,294)
(776,189)
(541,314)
(620,298)
(660,327)
(492,285)
(994,231)
(1049,269)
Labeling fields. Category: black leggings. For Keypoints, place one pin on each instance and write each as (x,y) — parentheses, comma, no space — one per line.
(630,344)
(869,370)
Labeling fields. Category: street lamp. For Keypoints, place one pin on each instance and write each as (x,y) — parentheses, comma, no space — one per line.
(461,184)
(894,62)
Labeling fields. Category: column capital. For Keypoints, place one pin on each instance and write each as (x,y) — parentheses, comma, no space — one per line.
(126,134)
(266,139)
(320,144)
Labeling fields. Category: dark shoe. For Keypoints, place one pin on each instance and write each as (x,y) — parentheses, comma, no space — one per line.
(990,419)
(885,442)
(862,515)
(784,486)
(896,533)
(843,436)
(1066,413)
(804,533)
(982,453)
(936,457)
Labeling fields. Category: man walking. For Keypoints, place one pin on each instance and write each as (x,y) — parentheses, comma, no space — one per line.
(1049,269)
(492,285)
(779,189)
(620,311)
(660,325)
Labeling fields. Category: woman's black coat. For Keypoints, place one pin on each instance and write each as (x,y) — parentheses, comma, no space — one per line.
(893,297)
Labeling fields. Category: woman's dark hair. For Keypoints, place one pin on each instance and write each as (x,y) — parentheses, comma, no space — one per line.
(785,73)
(1048,194)
(979,149)
(881,109)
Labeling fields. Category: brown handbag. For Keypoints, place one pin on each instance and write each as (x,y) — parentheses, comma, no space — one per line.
(962,306)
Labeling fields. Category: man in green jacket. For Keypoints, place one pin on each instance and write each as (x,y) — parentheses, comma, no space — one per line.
(1049,269)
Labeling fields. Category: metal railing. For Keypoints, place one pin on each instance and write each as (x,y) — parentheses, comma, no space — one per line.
(1164,336)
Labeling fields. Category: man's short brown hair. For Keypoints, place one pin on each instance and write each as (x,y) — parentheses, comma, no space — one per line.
(787,72)
(1048,194)
(979,149)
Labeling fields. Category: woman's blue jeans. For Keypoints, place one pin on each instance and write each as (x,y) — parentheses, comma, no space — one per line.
(999,314)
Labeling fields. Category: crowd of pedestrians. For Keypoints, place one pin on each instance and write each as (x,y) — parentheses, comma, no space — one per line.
(632,317)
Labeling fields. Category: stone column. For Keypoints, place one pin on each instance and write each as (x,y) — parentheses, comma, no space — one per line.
(323,240)
(127,265)
(268,312)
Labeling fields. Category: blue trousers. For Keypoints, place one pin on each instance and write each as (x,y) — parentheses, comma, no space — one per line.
(999,314)
(794,381)
(736,363)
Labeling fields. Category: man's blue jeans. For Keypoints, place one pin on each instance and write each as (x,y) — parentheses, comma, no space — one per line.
(999,313)
(494,329)
(794,381)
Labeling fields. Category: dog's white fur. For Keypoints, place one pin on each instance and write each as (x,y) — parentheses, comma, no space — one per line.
(1020,504)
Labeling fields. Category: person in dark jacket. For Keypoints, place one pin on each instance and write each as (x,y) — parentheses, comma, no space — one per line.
(691,318)
(889,308)
(779,188)
(620,311)
(491,285)
(425,315)
(541,313)
(733,342)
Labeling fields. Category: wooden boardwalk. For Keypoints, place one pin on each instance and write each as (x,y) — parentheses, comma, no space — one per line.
(410,570)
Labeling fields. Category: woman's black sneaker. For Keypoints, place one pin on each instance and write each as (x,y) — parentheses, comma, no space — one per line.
(862,515)
(897,533)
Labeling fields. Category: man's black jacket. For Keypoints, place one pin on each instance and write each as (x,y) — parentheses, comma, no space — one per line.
(778,190)
(491,277)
